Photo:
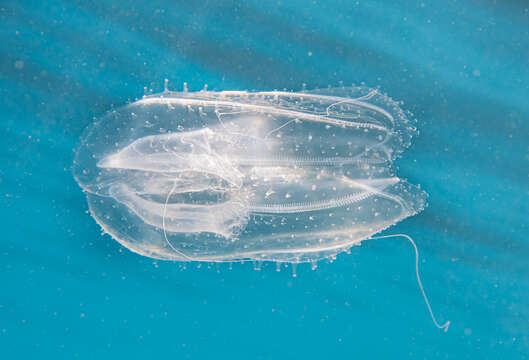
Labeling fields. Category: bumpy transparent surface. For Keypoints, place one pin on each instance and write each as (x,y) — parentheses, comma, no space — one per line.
(227,176)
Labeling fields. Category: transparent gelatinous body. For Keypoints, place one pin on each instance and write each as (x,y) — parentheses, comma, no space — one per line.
(227,176)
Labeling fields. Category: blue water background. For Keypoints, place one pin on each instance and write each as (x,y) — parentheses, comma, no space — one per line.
(462,67)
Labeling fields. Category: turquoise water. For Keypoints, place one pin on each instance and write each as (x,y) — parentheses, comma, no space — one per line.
(460,67)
